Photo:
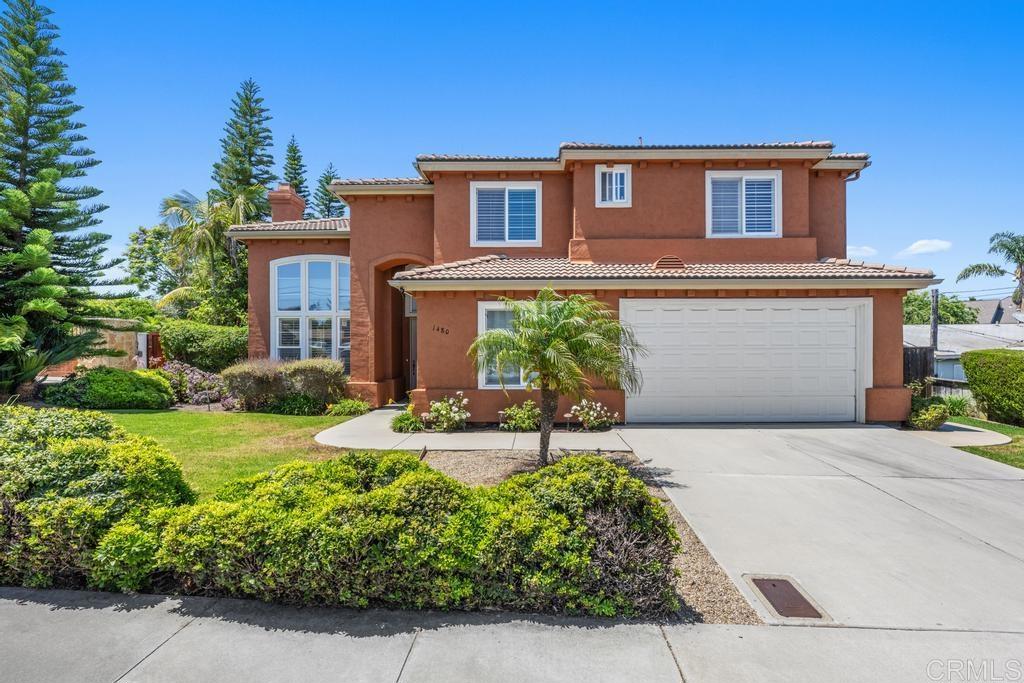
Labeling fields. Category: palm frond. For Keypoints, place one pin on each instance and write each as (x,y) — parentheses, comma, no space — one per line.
(982,270)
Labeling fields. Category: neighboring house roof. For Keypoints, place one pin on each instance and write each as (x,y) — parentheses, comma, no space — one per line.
(316,227)
(995,311)
(955,339)
(500,268)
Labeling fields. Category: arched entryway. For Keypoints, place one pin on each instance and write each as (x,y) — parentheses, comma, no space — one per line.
(390,343)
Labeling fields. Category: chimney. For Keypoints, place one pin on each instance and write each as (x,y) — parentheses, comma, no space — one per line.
(285,204)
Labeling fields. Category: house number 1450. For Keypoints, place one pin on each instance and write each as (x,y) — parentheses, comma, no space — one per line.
(442,330)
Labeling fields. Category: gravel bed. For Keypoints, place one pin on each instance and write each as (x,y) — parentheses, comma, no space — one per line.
(707,593)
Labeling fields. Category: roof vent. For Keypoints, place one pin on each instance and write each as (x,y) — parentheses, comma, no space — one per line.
(669,262)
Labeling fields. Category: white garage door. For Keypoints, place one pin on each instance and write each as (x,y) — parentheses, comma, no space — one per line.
(747,360)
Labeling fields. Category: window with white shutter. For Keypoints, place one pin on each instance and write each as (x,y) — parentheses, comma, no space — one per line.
(613,185)
(505,213)
(310,309)
(744,203)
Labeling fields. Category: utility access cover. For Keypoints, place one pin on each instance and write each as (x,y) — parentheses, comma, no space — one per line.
(785,598)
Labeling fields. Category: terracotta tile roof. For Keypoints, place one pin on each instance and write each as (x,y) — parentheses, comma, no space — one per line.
(806,144)
(849,155)
(312,225)
(377,181)
(500,267)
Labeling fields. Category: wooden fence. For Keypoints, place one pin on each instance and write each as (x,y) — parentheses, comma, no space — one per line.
(918,363)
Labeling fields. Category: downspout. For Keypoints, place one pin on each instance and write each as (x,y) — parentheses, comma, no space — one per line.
(853,177)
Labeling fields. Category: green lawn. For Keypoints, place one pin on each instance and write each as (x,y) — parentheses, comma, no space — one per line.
(1011,453)
(215,448)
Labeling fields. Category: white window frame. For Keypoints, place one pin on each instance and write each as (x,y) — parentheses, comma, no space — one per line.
(613,168)
(304,315)
(481,314)
(775,175)
(507,185)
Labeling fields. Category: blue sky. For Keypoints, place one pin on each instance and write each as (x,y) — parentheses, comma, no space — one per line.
(932,90)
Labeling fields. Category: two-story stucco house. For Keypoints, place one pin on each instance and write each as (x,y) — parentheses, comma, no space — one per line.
(728,260)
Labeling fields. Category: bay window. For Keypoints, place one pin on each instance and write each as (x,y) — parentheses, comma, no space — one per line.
(310,308)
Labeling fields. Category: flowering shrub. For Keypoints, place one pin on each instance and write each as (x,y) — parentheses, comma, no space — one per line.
(449,413)
(522,418)
(192,385)
(593,415)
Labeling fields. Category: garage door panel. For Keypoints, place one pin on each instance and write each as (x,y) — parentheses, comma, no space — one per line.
(713,361)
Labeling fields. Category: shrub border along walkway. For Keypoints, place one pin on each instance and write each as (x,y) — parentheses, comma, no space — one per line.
(373,430)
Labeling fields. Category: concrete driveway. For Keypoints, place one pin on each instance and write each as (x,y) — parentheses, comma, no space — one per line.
(882,528)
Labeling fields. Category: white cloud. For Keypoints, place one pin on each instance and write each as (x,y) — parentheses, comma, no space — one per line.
(926,247)
(861,252)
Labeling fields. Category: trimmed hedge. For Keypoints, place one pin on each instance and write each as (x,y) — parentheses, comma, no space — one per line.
(207,347)
(105,388)
(996,379)
(66,477)
(581,536)
(298,387)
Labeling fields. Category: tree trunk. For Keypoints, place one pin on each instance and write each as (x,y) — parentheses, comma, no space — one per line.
(548,408)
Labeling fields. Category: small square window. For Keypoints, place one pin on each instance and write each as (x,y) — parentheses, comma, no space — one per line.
(613,186)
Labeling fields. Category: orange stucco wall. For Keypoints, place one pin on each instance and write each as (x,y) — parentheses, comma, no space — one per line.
(667,216)
(388,233)
(448,324)
(452,223)
(261,253)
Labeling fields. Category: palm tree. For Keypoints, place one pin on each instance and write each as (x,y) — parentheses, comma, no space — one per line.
(558,343)
(200,225)
(1011,247)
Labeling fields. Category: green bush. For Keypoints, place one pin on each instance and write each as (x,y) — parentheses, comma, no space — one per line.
(958,406)
(522,418)
(348,407)
(296,404)
(104,388)
(321,378)
(60,494)
(268,385)
(256,383)
(929,418)
(996,379)
(207,347)
(406,422)
(581,536)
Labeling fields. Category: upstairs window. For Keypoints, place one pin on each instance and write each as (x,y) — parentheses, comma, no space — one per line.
(613,186)
(744,203)
(505,213)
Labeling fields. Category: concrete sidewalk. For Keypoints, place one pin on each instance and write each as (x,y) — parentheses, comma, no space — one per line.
(82,637)
(373,430)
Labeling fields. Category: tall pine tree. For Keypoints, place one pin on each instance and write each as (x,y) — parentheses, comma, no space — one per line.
(245,148)
(295,170)
(325,203)
(38,136)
